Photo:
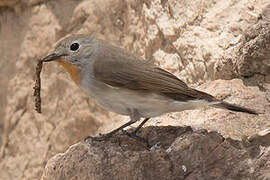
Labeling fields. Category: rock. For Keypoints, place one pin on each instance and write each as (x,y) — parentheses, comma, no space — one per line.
(262,137)
(254,56)
(9,3)
(251,55)
(266,13)
(14,3)
(183,154)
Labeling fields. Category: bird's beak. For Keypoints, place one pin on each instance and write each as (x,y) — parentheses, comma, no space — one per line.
(51,57)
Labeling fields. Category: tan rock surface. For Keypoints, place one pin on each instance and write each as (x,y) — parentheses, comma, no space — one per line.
(195,40)
(178,153)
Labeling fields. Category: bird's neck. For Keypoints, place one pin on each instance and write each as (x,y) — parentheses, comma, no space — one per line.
(73,71)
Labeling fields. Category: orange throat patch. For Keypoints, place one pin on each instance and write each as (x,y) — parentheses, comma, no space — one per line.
(73,71)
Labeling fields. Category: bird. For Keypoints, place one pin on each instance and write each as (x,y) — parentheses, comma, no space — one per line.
(126,84)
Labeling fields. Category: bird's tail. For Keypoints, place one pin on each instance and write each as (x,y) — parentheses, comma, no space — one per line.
(232,107)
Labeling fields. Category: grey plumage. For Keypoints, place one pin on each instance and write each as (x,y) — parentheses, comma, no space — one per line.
(129,85)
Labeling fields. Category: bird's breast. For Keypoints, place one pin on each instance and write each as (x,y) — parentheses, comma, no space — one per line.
(72,70)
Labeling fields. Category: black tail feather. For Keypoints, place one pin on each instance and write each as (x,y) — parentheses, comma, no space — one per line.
(233,107)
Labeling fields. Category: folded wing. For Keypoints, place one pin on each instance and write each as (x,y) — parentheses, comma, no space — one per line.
(126,71)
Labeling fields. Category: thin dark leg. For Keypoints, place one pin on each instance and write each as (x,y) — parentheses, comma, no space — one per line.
(139,138)
(134,116)
(140,126)
(108,135)
(134,135)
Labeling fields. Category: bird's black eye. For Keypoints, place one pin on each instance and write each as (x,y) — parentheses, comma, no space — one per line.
(74,46)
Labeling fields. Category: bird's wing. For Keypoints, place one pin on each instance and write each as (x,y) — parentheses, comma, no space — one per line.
(121,69)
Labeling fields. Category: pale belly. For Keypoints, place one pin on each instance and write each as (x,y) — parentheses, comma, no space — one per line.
(122,101)
(147,105)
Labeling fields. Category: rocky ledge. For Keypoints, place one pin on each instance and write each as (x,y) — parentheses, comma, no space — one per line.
(176,153)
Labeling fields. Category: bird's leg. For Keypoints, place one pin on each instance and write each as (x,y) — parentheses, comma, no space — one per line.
(134,116)
(133,133)
(140,126)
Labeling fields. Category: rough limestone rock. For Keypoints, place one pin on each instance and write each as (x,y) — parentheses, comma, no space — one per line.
(251,56)
(177,153)
(199,41)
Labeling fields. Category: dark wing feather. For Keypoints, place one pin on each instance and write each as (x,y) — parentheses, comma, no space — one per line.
(118,68)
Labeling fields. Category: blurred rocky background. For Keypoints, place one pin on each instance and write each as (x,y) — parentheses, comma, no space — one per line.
(218,46)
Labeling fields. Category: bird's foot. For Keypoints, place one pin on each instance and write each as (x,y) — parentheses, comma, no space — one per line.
(101,137)
(135,136)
